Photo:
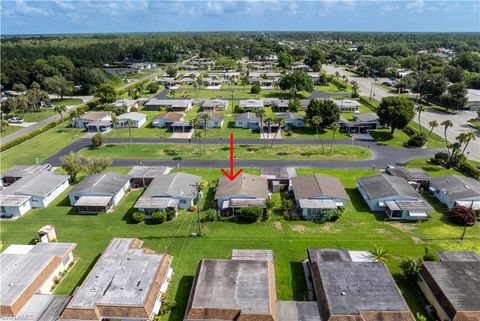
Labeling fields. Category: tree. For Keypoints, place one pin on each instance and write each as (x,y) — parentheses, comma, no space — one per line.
(9,105)
(249,214)
(72,165)
(446,124)
(355,88)
(256,89)
(285,61)
(326,109)
(134,92)
(98,140)
(287,206)
(432,124)
(204,118)
(95,165)
(410,268)
(280,122)
(130,124)
(89,78)
(314,59)
(106,93)
(334,127)
(294,105)
(3,125)
(137,217)
(420,109)
(296,81)
(454,74)
(19,88)
(316,122)
(379,253)
(172,71)
(456,97)
(466,138)
(58,85)
(60,109)
(158,217)
(463,215)
(153,87)
(395,111)
(407,82)
(261,114)
(429,84)
(197,134)
(225,63)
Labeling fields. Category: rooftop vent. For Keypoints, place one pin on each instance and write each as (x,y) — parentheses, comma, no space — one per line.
(343,293)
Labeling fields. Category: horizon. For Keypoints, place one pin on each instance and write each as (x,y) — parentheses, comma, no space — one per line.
(28,18)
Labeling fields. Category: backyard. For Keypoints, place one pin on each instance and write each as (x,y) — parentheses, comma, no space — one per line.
(357,229)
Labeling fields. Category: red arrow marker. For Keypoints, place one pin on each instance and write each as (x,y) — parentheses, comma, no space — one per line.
(231,176)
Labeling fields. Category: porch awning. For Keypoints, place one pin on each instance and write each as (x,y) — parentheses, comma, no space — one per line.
(243,202)
(156,202)
(313,203)
(93,201)
(475,205)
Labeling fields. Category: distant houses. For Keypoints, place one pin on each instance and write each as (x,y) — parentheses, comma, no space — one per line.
(99,192)
(169,104)
(125,105)
(317,193)
(172,191)
(246,190)
(393,195)
(454,190)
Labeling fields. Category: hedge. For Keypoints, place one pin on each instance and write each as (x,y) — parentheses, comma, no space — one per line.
(84,107)
(469,169)
(373,104)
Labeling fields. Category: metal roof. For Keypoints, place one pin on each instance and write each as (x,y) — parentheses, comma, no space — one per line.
(172,185)
(93,201)
(245,116)
(13,200)
(278,172)
(132,116)
(316,185)
(317,203)
(410,174)
(289,116)
(105,183)
(382,186)
(244,185)
(456,187)
(44,307)
(147,171)
(173,116)
(458,256)
(38,184)
(298,311)
(22,170)
(216,103)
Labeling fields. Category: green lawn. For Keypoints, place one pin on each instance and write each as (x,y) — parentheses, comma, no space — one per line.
(400,138)
(7,130)
(237,94)
(34,116)
(189,151)
(475,123)
(40,147)
(146,131)
(357,229)
(66,102)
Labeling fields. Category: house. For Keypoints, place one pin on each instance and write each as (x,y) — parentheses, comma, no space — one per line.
(214,104)
(292,120)
(169,104)
(246,120)
(99,192)
(215,119)
(240,288)
(246,190)
(417,177)
(142,176)
(316,193)
(351,285)
(171,191)
(165,120)
(347,105)
(125,105)
(278,177)
(28,275)
(251,104)
(452,285)
(454,190)
(136,119)
(361,123)
(473,99)
(127,282)
(94,121)
(18,171)
(280,104)
(394,195)
(181,126)
(40,189)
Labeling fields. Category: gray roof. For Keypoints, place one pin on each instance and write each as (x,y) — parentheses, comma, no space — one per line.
(95,115)
(289,116)
(19,269)
(44,307)
(123,275)
(278,172)
(365,117)
(410,174)
(298,311)
(13,200)
(22,170)
(173,184)
(245,116)
(133,116)
(245,184)
(105,183)
(147,171)
(213,115)
(458,256)
(251,103)
(215,103)
(124,102)
(38,184)
(249,254)
(457,187)
(382,186)
(328,255)
(316,185)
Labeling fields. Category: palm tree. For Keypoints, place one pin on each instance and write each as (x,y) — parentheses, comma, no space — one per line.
(3,125)
(420,109)
(354,87)
(204,118)
(446,123)
(379,253)
(197,134)
(130,123)
(60,110)
(432,124)
(261,114)
(334,128)
(280,123)
(466,138)
(316,122)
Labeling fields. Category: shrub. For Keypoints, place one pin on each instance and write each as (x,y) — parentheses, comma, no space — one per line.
(210,215)
(355,95)
(238,110)
(429,256)
(287,132)
(158,217)
(171,214)
(440,159)
(249,214)
(256,89)
(270,203)
(137,217)
(98,140)
(266,215)
(469,169)
(463,215)
(166,307)
(133,109)
(417,140)
(331,215)
(410,268)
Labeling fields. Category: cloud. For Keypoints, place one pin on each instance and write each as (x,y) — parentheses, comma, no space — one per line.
(416,6)
(389,8)
(22,8)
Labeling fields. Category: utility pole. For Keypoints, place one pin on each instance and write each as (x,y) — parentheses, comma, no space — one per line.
(197,195)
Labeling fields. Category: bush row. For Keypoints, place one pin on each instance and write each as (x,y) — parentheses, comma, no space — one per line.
(134,85)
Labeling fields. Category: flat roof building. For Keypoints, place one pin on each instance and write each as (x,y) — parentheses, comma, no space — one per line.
(127,282)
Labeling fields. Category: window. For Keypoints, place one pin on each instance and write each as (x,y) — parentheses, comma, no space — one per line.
(2,209)
(183,201)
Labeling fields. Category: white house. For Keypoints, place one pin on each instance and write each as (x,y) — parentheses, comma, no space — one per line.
(394,195)
(99,192)
(292,120)
(454,190)
(347,105)
(137,120)
(251,104)
(214,104)
(13,206)
(215,120)
(169,104)
(125,104)
(171,191)
(98,119)
(246,120)
(165,120)
(473,99)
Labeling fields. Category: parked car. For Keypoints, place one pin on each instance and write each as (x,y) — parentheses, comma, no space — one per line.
(15,120)
(387,83)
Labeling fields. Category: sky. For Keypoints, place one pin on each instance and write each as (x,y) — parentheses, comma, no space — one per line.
(82,16)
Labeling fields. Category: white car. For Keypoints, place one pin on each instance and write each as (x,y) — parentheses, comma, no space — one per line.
(15,120)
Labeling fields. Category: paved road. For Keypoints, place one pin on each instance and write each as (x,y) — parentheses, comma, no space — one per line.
(382,155)
(44,122)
